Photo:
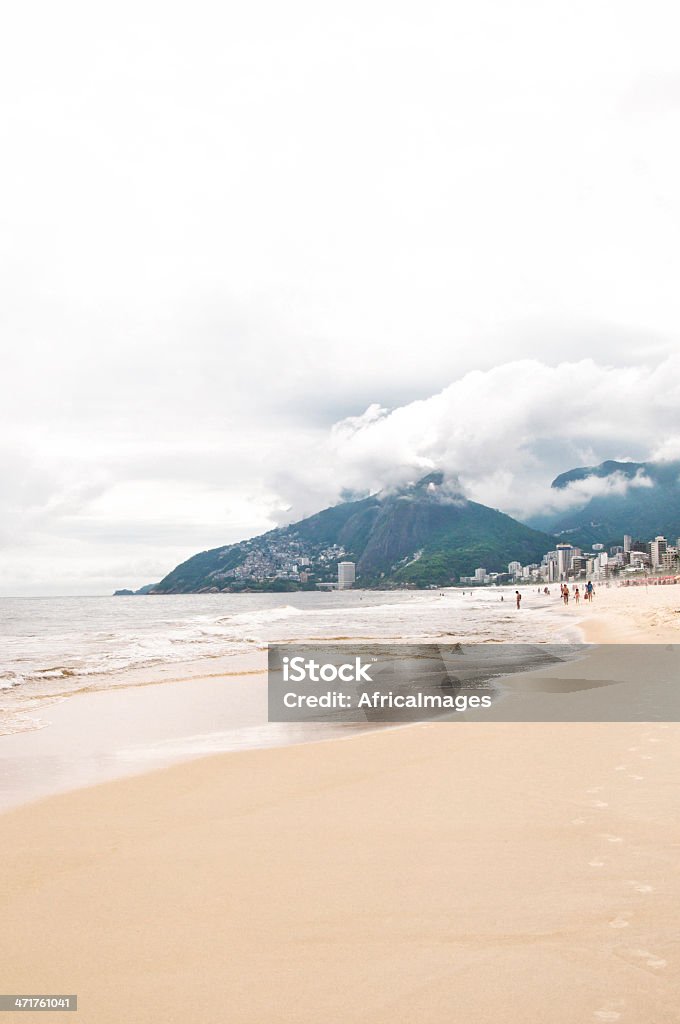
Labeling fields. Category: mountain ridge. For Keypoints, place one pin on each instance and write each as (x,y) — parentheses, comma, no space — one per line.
(425,534)
(429,534)
(637,498)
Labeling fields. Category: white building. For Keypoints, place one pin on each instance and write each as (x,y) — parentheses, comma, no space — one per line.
(601,564)
(639,559)
(346,575)
(657,549)
(514,568)
(564,556)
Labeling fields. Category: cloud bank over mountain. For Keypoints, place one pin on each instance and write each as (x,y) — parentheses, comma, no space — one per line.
(504,434)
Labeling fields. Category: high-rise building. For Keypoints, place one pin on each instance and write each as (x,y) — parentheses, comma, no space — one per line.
(514,568)
(480,574)
(669,559)
(601,564)
(627,541)
(657,549)
(564,556)
(346,575)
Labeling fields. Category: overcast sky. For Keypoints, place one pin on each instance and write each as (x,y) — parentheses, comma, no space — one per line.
(255,254)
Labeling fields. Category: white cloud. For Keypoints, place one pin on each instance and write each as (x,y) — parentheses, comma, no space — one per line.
(668,450)
(505,434)
(580,492)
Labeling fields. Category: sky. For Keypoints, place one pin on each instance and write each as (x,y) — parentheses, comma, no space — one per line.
(255,257)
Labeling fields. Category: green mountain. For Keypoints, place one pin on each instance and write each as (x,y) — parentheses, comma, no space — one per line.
(426,534)
(638,498)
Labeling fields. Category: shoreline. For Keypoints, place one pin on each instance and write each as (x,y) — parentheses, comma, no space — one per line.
(136,726)
(111,726)
(202,636)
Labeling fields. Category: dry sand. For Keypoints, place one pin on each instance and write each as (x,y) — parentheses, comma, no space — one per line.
(466,873)
(636,614)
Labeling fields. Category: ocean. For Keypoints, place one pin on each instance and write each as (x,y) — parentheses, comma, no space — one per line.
(52,648)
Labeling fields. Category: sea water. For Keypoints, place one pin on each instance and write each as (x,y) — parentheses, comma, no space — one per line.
(51,648)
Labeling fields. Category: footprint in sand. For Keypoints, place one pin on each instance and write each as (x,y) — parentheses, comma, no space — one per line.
(645,757)
(620,767)
(643,958)
(595,789)
(607,1015)
(633,749)
(595,863)
(612,839)
(638,778)
(578,821)
(641,887)
(599,803)
(619,922)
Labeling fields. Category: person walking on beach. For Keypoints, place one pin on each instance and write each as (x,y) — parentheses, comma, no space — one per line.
(518,599)
(565,593)
(589,590)
(577,596)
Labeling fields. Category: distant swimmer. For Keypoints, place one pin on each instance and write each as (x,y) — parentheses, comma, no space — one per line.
(518,598)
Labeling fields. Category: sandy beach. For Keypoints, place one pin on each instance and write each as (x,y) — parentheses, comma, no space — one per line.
(474,872)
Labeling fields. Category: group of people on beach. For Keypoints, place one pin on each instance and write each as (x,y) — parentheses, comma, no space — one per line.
(588,592)
(565,593)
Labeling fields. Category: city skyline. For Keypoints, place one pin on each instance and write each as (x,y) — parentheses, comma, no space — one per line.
(568,561)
